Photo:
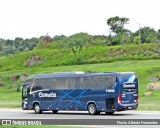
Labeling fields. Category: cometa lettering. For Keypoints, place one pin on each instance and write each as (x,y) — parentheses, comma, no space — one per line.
(41,94)
(128,85)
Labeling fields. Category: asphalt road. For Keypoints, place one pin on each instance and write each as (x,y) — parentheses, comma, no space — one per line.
(29,114)
(83,118)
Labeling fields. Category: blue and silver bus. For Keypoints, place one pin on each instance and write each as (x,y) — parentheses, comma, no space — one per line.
(93,92)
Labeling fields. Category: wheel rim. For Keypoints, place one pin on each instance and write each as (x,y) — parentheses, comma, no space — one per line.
(92,109)
(37,108)
(23,106)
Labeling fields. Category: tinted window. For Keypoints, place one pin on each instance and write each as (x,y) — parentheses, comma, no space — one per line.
(78,82)
(61,83)
(104,82)
(87,83)
(30,81)
(129,78)
(71,83)
(97,82)
(94,82)
(44,83)
(50,84)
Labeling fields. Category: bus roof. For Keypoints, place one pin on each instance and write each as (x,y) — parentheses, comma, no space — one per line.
(77,74)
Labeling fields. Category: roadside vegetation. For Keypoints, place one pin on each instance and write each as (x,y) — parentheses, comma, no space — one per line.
(53,56)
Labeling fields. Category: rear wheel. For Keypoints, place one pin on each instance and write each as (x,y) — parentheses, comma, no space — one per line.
(37,108)
(54,111)
(109,113)
(92,109)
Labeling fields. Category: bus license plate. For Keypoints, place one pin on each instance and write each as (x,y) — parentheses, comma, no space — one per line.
(129,107)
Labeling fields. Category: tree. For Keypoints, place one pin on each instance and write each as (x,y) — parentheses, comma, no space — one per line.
(9,42)
(45,41)
(2,42)
(147,34)
(158,36)
(100,40)
(124,39)
(58,38)
(19,39)
(76,43)
(117,24)
(137,40)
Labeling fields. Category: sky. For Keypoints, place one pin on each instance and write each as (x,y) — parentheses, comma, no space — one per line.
(34,18)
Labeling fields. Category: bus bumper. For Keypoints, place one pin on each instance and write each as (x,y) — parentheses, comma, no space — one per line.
(123,107)
(26,105)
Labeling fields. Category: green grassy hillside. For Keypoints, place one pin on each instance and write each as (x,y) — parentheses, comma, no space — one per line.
(142,59)
(53,56)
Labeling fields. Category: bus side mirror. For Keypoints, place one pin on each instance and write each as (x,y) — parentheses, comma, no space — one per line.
(18,88)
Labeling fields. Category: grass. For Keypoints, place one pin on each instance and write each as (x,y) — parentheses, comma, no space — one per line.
(149,103)
(52,56)
(144,68)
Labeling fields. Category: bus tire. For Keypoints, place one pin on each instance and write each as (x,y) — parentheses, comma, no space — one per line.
(37,108)
(54,111)
(109,113)
(92,109)
(23,106)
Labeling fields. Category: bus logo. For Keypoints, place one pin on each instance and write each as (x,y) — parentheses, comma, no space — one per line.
(129,85)
(110,90)
(41,94)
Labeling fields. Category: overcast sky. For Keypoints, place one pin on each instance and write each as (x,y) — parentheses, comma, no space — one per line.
(33,18)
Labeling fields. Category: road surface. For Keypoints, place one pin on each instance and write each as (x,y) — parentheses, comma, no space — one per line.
(29,114)
(82,117)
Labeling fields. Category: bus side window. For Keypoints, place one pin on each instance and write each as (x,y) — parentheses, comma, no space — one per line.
(78,82)
(50,83)
(98,83)
(61,83)
(104,82)
(87,83)
(71,83)
(110,81)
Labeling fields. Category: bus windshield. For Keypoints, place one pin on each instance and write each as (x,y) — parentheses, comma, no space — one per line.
(127,78)
(129,83)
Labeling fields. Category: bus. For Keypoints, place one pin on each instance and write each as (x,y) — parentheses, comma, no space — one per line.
(93,92)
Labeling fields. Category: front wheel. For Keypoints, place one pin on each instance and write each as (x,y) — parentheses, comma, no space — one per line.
(37,109)
(109,113)
(23,106)
(92,109)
